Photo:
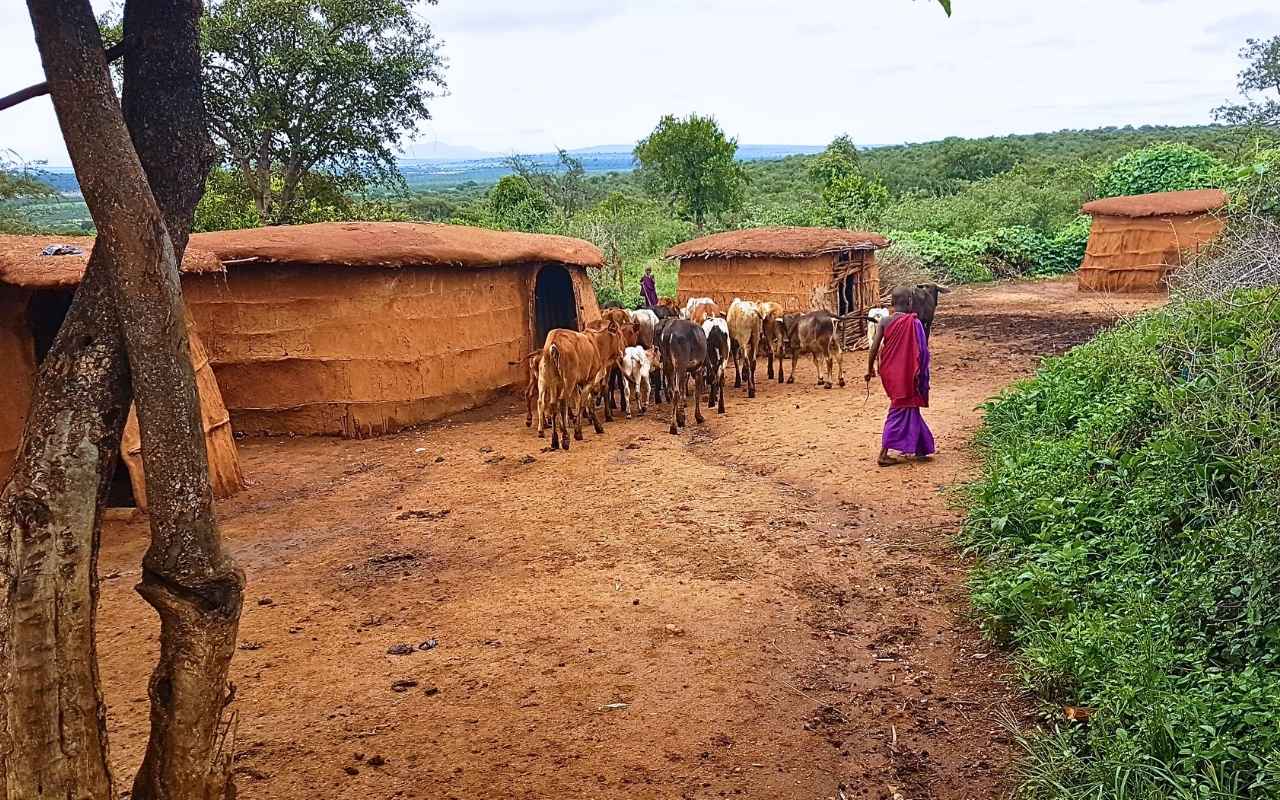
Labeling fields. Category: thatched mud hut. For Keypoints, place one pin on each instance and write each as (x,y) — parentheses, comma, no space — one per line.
(801,268)
(1136,242)
(358,329)
(35,294)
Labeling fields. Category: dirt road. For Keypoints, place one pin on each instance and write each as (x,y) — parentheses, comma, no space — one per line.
(751,609)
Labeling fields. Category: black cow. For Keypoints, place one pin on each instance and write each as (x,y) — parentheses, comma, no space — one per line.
(924,302)
(684,353)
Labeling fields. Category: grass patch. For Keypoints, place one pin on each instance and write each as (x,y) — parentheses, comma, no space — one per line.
(1127,523)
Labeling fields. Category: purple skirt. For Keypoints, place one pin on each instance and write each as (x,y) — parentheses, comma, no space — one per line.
(906,432)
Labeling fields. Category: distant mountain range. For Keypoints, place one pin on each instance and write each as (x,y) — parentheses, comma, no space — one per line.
(439,165)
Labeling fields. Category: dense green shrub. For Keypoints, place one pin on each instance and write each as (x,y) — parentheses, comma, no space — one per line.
(1009,252)
(1165,167)
(1128,531)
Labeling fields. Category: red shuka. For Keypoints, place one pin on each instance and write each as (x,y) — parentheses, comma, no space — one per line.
(900,363)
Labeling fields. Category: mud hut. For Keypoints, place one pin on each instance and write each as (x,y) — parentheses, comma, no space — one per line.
(35,294)
(800,268)
(1136,242)
(357,329)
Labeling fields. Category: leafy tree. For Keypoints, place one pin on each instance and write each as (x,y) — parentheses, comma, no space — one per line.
(839,160)
(854,201)
(977,159)
(517,205)
(690,163)
(1260,80)
(1166,167)
(566,186)
(301,86)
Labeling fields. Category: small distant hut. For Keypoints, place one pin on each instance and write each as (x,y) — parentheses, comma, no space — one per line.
(35,295)
(802,269)
(357,329)
(1138,241)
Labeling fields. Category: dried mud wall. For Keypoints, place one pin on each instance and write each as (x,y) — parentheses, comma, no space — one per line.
(1128,254)
(17,374)
(798,284)
(358,352)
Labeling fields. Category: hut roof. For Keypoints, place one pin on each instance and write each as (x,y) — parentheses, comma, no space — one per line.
(777,243)
(394,244)
(1194,201)
(21,262)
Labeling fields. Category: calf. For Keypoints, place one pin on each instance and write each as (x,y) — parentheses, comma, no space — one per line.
(684,352)
(814,333)
(717,332)
(924,302)
(568,363)
(745,326)
(631,336)
(636,367)
(771,334)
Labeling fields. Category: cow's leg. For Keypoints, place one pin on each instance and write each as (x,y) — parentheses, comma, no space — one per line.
(840,364)
(670,377)
(720,394)
(528,402)
(751,372)
(595,414)
(736,352)
(644,394)
(699,380)
(608,398)
(795,356)
(580,403)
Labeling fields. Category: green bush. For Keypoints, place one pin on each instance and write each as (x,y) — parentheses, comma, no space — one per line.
(948,258)
(1010,252)
(1128,531)
(1166,167)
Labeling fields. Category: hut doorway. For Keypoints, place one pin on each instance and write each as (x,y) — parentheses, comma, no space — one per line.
(554,305)
(45,313)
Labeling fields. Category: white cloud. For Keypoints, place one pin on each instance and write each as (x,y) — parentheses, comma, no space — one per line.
(581,72)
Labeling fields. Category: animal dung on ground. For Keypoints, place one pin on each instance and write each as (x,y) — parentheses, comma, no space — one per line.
(403,685)
(430,644)
(400,650)
(247,645)
(427,515)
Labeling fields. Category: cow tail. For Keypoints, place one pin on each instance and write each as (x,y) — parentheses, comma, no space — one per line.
(555,362)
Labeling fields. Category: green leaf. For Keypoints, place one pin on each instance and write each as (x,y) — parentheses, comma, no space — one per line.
(946,6)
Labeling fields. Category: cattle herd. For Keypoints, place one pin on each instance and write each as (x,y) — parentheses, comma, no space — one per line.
(653,355)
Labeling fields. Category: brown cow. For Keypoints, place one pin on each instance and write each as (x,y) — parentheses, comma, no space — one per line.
(744,339)
(702,312)
(572,369)
(813,333)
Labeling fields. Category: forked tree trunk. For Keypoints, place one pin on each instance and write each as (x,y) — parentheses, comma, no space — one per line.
(192,582)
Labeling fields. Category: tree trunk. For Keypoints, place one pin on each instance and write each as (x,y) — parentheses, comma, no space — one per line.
(192,582)
(52,717)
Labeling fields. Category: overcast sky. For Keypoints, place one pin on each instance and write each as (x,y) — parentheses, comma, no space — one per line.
(529,76)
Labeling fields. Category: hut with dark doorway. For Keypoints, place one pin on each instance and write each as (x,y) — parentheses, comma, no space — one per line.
(802,269)
(357,329)
(35,295)
(1137,242)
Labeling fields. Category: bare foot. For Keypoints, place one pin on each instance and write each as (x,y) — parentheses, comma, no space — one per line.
(887,461)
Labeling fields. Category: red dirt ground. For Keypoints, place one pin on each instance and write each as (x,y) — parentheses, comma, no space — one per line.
(751,609)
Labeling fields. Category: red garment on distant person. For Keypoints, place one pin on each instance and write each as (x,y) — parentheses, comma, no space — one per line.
(901,364)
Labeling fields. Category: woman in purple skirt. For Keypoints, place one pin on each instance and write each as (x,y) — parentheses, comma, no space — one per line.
(903,350)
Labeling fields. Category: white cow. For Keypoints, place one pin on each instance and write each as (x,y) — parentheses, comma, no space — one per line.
(636,367)
(874,317)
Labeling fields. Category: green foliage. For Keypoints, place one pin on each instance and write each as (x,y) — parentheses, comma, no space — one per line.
(963,160)
(854,201)
(1041,196)
(566,188)
(838,161)
(690,164)
(227,203)
(518,206)
(1255,187)
(301,86)
(1130,547)
(1165,167)
(20,183)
